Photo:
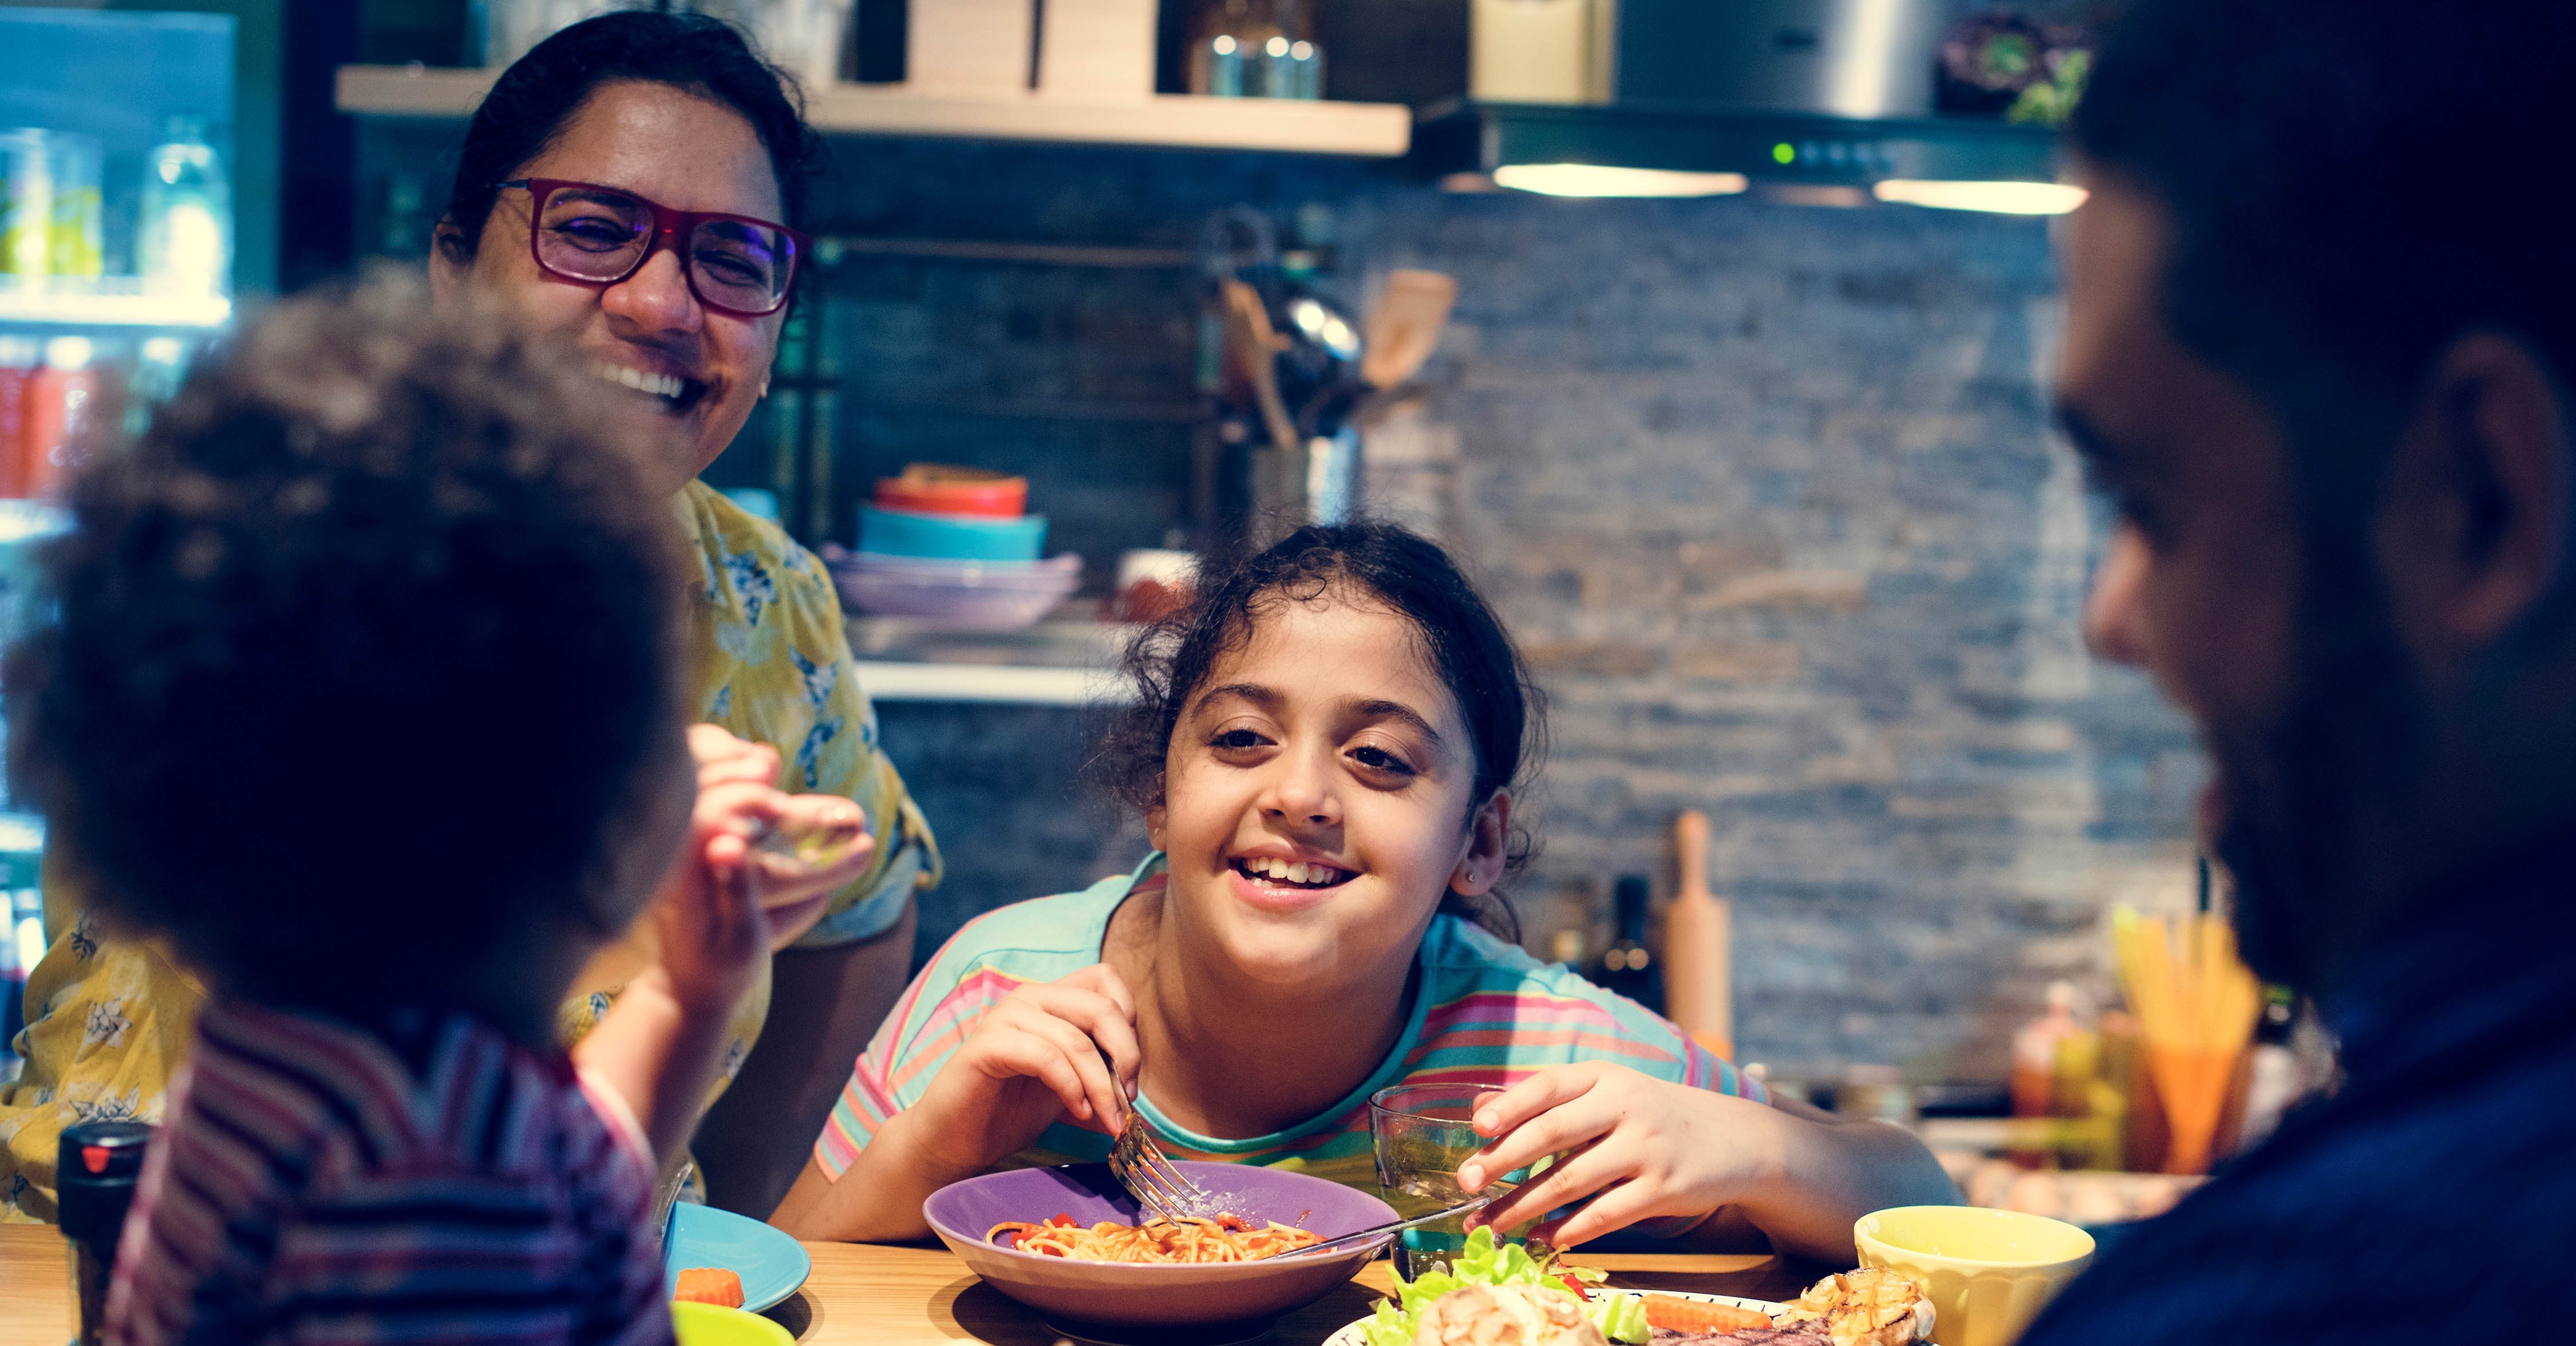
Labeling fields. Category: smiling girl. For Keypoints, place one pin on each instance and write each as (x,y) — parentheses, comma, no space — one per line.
(1325,747)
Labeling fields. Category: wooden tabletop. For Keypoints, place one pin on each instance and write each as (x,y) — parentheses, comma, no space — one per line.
(878,1293)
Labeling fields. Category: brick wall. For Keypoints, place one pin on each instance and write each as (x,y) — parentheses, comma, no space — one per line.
(1769,496)
(1766,490)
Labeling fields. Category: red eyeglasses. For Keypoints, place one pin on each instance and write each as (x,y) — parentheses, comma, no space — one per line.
(595,235)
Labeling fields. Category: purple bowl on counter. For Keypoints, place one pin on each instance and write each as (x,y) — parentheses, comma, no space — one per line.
(968,595)
(1128,1301)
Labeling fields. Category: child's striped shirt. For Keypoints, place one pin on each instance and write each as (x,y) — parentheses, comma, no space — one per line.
(316,1182)
(1485,1011)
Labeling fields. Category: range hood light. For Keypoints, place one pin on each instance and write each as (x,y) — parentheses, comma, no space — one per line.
(2002,198)
(1603,180)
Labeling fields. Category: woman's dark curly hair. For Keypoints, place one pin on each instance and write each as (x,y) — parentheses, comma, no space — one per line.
(533,99)
(1505,713)
(366,655)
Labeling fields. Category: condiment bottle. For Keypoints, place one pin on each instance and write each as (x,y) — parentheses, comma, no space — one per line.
(2034,1060)
(1628,966)
(94,1174)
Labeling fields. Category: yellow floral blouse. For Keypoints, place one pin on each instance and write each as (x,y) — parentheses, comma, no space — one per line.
(109,1020)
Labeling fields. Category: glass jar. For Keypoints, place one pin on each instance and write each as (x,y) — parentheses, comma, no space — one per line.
(1255,49)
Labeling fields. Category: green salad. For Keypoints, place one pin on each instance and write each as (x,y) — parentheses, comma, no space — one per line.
(1485,1262)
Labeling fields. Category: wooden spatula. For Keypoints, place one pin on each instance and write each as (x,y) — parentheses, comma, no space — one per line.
(1248,331)
(1406,325)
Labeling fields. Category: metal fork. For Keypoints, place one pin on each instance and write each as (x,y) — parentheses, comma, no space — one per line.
(1340,1241)
(1151,1177)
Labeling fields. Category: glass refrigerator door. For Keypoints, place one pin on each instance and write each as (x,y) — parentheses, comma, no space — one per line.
(138,202)
(138,169)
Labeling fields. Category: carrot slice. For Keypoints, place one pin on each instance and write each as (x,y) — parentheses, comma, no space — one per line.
(709,1285)
(1690,1315)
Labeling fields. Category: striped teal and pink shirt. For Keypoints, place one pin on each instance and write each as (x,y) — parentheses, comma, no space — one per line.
(422,1180)
(1486,1011)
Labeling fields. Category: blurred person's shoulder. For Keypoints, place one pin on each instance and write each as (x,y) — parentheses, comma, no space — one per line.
(2427,1209)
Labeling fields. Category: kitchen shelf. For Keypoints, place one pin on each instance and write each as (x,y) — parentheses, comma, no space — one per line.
(1065,662)
(54,309)
(1176,121)
(990,683)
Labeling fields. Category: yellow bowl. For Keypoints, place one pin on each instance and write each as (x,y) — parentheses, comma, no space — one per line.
(715,1325)
(1991,1271)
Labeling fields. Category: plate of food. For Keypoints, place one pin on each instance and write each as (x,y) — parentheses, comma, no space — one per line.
(1070,1243)
(717,1257)
(1499,1295)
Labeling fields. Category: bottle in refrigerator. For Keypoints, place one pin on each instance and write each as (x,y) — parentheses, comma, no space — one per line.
(76,242)
(62,396)
(184,228)
(18,357)
(26,208)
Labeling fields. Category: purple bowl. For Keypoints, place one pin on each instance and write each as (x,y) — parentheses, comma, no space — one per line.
(976,595)
(1095,1300)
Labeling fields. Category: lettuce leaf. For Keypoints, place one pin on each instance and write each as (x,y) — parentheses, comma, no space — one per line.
(1621,1317)
(1487,1261)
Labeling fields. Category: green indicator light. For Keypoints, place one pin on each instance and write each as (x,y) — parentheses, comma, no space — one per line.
(1782,154)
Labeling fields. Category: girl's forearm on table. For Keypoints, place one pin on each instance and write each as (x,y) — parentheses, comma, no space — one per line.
(1832,1172)
(877,1199)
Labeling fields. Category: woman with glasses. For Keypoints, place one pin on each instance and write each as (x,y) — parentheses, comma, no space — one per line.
(629,185)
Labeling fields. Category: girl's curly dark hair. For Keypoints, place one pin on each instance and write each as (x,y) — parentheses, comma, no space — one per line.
(1170,660)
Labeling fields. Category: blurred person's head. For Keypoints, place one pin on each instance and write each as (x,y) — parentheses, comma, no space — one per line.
(364,688)
(2322,316)
(677,110)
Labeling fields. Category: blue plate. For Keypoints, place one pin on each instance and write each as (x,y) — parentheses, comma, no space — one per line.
(771,1264)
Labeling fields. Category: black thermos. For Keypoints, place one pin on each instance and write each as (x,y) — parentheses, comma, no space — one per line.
(94,1184)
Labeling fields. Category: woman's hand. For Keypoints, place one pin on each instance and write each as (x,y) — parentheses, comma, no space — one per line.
(1053,1049)
(793,904)
(796,899)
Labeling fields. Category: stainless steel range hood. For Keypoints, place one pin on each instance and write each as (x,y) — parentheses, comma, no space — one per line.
(1823,100)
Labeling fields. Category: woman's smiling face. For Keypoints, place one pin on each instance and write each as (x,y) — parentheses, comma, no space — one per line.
(687,153)
(1316,797)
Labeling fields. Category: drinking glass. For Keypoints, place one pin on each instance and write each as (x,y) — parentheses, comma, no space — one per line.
(1422,1133)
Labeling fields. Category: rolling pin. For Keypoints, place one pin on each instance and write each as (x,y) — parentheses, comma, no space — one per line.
(1698,991)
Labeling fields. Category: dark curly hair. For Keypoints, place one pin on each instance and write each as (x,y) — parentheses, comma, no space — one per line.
(366,656)
(1170,660)
(533,99)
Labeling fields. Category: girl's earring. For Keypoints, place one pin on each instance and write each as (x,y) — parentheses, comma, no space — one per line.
(764,387)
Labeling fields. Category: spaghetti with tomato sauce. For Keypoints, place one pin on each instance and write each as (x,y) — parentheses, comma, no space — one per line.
(1222,1239)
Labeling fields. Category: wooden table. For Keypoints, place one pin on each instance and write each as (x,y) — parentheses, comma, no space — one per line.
(877,1293)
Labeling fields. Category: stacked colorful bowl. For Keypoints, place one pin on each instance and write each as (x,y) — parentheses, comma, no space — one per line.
(953,545)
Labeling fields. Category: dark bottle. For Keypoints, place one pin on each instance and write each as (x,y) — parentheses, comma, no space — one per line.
(1628,966)
(95,1168)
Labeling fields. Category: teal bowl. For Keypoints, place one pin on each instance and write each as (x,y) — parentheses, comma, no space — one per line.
(950,537)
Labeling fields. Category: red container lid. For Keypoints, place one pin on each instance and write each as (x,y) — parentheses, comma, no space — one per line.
(937,488)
